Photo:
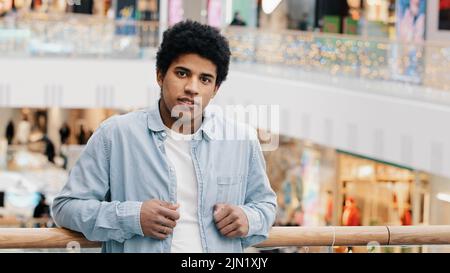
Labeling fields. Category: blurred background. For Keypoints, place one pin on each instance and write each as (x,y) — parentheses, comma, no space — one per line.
(363,89)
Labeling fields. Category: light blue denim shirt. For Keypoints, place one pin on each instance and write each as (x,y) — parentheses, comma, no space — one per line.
(124,164)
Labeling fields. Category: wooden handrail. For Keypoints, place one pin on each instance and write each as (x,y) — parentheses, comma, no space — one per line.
(43,238)
(358,236)
(29,238)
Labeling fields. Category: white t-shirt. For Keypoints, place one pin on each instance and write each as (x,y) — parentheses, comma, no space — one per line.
(186,235)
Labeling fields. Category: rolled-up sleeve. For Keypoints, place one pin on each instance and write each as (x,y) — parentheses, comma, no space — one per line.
(83,205)
(260,201)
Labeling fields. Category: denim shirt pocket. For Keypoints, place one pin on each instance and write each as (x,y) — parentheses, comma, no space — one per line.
(229,189)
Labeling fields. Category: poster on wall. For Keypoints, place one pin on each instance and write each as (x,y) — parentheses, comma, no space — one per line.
(311,188)
(411,20)
(408,52)
(215,13)
(176,11)
(125,14)
(444,15)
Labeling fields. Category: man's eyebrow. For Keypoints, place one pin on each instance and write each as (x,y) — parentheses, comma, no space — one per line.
(202,74)
(208,75)
(182,68)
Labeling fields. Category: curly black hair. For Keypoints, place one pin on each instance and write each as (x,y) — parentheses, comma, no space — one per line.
(192,37)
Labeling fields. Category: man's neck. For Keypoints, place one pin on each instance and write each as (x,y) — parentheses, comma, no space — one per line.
(189,127)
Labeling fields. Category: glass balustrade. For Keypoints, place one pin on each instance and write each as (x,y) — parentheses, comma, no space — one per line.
(349,56)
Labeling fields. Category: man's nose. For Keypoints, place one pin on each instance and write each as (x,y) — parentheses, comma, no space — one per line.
(192,87)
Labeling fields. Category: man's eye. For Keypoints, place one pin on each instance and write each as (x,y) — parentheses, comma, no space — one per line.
(181,74)
(205,80)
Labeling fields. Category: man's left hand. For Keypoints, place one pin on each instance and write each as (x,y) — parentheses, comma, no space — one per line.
(230,220)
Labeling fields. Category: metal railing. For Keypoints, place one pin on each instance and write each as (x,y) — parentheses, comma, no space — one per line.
(38,238)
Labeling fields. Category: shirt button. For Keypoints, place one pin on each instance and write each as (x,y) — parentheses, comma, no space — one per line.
(164,134)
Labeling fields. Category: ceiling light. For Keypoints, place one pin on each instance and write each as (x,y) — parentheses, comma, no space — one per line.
(269,6)
(443,197)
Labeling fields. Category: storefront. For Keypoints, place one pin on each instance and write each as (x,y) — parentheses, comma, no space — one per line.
(315,186)
(378,193)
(368,18)
(319,186)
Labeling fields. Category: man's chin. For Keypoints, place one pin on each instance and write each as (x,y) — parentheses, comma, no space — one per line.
(190,111)
(186,116)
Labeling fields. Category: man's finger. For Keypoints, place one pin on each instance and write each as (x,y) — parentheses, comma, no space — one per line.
(160,236)
(231,227)
(233,234)
(167,222)
(221,212)
(172,214)
(226,221)
(169,205)
(218,206)
(165,230)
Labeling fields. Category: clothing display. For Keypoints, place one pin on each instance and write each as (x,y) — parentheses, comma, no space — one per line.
(351,215)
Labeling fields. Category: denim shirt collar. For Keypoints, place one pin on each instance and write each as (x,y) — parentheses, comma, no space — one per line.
(207,129)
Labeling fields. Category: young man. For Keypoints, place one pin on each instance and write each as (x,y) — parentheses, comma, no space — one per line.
(166,180)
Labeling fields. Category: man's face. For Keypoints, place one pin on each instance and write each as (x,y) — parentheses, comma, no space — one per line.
(188,85)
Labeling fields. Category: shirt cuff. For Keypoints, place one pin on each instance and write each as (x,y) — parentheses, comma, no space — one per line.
(129,215)
(254,222)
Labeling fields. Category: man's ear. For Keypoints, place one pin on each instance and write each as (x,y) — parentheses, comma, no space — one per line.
(159,78)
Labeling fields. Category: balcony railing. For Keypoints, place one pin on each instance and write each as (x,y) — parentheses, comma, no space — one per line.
(426,64)
(80,36)
(45,238)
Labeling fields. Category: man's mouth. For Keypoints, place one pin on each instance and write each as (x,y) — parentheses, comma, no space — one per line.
(186,101)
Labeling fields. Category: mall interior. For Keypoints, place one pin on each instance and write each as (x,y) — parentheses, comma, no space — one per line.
(362,88)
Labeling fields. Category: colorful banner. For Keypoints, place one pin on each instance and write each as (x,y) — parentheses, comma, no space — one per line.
(411,19)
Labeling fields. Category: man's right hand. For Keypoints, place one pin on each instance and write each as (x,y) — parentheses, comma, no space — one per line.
(158,218)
